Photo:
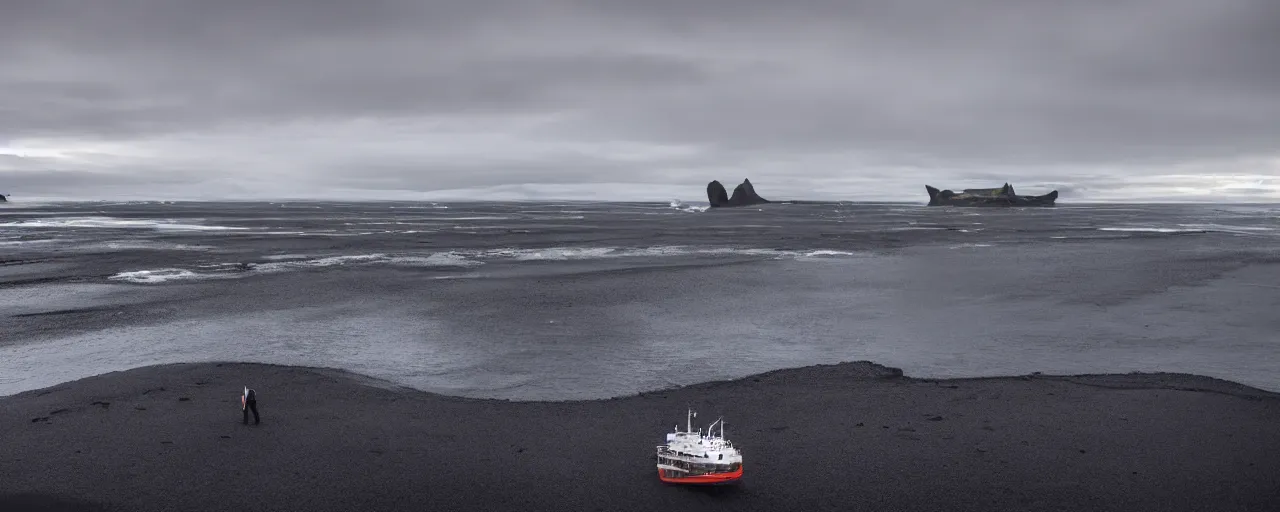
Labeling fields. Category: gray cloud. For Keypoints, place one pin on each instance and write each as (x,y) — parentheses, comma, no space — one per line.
(837,96)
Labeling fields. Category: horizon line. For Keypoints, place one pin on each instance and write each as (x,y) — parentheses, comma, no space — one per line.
(308,199)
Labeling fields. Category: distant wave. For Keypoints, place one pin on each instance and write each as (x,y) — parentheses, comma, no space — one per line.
(320,262)
(1194,228)
(441,259)
(556,217)
(556,253)
(115,223)
(159,276)
(26,212)
(453,259)
(1227,228)
(1151,230)
(26,242)
(117,245)
(76,245)
(286,257)
(826,252)
(586,253)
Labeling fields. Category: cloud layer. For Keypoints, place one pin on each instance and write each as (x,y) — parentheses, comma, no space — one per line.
(822,99)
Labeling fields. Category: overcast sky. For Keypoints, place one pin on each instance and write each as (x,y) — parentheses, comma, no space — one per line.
(639,99)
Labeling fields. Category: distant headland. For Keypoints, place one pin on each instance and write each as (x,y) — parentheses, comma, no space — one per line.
(1003,196)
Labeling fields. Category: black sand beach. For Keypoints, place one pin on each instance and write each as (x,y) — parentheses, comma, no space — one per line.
(853,436)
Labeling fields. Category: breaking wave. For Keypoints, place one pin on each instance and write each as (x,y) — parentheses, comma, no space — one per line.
(826,252)
(159,276)
(452,259)
(681,206)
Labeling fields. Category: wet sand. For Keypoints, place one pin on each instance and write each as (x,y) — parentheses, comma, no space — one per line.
(853,436)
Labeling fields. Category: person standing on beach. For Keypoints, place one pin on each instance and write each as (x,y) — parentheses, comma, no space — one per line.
(249,401)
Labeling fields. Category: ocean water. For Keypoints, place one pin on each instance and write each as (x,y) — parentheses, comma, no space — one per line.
(549,301)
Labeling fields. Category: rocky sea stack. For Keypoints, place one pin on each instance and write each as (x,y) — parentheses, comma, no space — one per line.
(743,195)
(1003,196)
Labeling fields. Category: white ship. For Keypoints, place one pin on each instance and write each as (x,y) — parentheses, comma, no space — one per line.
(691,457)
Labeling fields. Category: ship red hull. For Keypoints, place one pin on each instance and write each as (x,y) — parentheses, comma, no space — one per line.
(707,479)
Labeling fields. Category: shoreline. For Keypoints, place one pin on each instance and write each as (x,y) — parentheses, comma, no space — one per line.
(843,436)
(1131,380)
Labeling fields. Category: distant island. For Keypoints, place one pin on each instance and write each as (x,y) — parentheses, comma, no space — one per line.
(1003,196)
(743,195)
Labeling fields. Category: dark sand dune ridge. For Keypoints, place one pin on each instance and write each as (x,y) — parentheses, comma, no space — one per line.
(853,436)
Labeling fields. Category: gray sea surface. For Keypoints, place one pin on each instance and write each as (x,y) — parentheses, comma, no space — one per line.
(551,301)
